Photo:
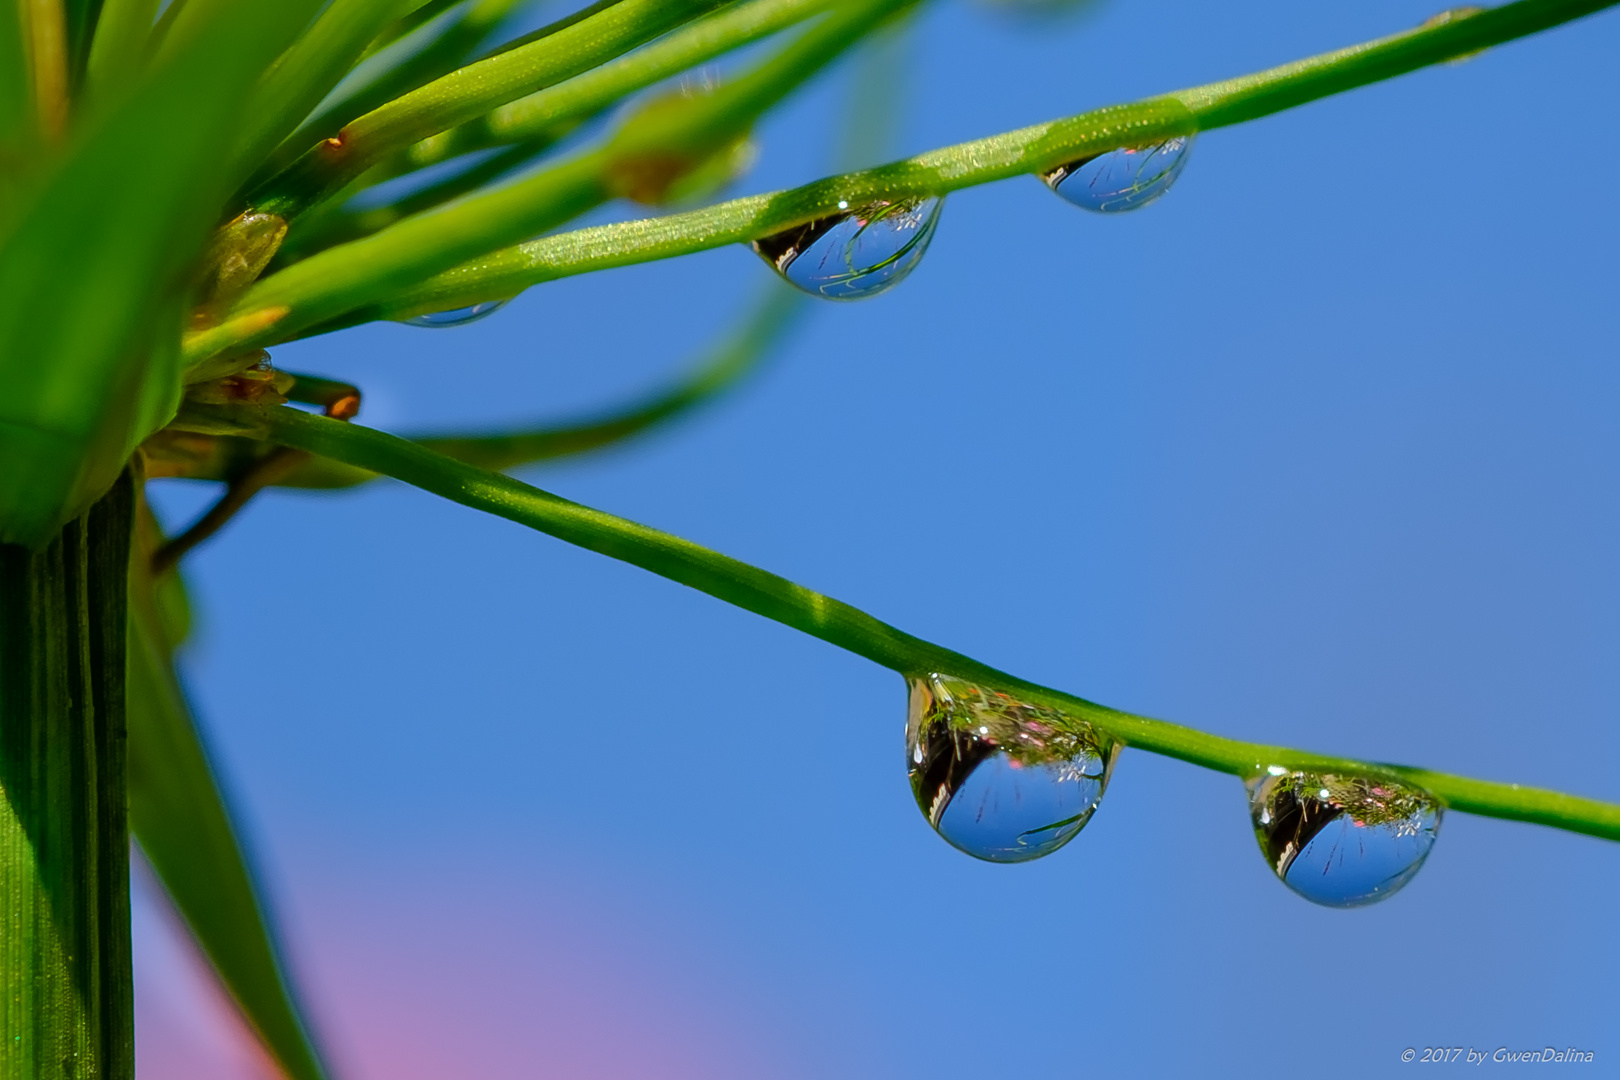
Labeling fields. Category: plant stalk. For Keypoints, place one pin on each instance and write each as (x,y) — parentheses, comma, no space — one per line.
(66,1010)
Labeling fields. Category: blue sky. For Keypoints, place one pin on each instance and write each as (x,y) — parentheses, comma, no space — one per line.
(1320,450)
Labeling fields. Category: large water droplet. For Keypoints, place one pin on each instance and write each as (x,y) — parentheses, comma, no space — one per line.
(1342,841)
(1121,180)
(1002,779)
(857,253)
(461,316)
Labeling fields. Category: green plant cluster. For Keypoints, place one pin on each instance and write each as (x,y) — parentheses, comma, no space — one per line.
(178,193)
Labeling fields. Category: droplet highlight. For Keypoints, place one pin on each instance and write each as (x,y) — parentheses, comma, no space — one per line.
(441,320)
(1121,180)
(999,778)
(1342,841)
(859,252)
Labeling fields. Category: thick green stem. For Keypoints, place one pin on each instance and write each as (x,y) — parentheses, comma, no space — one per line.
(65,1000)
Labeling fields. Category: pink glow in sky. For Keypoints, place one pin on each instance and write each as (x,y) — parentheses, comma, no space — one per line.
(440,986)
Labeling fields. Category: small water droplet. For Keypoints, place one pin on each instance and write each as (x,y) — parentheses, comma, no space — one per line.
(461,316)
(856,254)
(1002,779)
(1125,179)
(1342,841)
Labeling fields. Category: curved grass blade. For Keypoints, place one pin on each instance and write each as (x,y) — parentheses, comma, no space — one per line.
(119,46)
(308,71)
(467,93)
(453,44)
(740,355)
(654,147)
(180,819)
(540,114)
(505,273)
(837,623)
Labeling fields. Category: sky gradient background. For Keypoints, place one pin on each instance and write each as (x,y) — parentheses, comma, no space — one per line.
(1321,450)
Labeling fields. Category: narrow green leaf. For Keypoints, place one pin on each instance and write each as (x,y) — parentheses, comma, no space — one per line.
(45,23)
(1029,150)
(447,47)
(66,1008)
(839,624)
(89,269)
(536,120)
(417,16)
(16,102)
(316,63)
(468,92)
(657,145)
(181,821)
(119,47)
(740,355)
(81,18)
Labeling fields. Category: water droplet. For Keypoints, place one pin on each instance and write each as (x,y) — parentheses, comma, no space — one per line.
(1450,15)
(461,316)
(999,778)
(855,254)
(1125,179)
(1341,841)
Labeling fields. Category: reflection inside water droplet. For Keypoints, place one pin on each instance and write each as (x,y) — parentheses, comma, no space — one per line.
(856,254)
(1002,779)
(1121,180)
(1342,841)
(439,320)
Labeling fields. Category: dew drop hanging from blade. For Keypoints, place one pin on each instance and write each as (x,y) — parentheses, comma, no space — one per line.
(1121,180)
(442,320)
(1341,841)
(1001,779)
(857,253)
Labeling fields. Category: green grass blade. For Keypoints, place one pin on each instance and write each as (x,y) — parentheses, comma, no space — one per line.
(584,95)
(1029,150)
(740,355)
(119,47)
(469,92)
(90,268)
(316,63)
(449,48)
(181,821)
(839,624)
(16,103)
(659,142)
(332,225)
(418,16)
(82,17)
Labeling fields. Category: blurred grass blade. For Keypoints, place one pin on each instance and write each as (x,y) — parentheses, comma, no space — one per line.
(316,63)
(180,819)
(16,102)
(418,15)
(655,147)
(503,274)
(469,92)
(740,355)
(589,93)
(45,22)
(447,49)
(88,269)
(81,18)
(119,47)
